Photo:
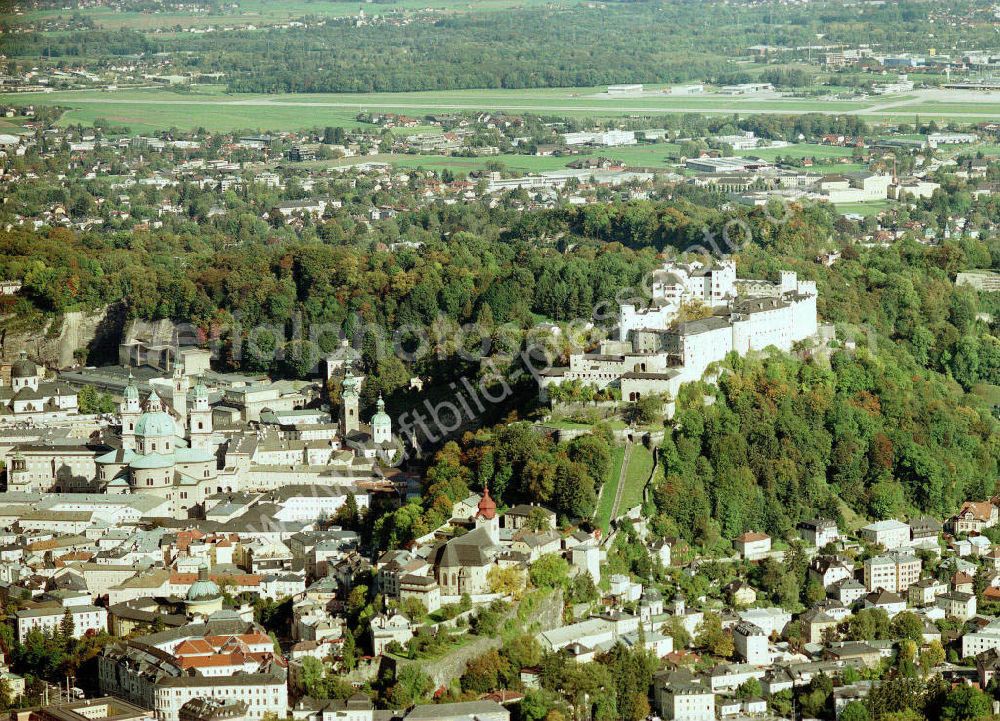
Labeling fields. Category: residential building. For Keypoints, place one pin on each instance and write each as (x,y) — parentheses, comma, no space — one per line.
(889,534)
(751,643)
(828,570)
(983,639)
(388,628)
(819,532)
(686,702)
(974,517)
(892,572)
(960,605)
(752,545)
(891,603)
(847,591)
(925,591)
(49,619)
(814,622)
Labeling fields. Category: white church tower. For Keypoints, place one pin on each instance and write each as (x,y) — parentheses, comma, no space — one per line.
(381,423)
(130,410)
(200,424)
(486,516)
(349,398)
(178,398)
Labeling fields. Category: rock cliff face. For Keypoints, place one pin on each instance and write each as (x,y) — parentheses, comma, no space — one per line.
(54,343)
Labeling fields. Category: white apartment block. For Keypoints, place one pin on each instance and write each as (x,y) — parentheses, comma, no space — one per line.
(751,643)
(936,139)
(689,702)
(608,138)
(889,534)
(260,695)
(893,572)
(982,640)
(49,619)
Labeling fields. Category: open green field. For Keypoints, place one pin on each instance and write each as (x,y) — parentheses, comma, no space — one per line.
(654,156)
(800,150)
(838,169)
(523,163)
(11,126)
(867,208)
(210,107)
(219,118)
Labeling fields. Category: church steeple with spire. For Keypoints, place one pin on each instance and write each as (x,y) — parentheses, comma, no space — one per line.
(486,516)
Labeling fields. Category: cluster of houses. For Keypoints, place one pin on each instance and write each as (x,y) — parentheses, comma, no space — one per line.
(307,171)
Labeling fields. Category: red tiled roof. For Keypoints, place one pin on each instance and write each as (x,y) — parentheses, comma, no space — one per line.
(980,510)
(194,646)
(751,536)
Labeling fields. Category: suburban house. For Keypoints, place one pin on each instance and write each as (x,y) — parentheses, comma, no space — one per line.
(819,532)
(752,545)
(973,517)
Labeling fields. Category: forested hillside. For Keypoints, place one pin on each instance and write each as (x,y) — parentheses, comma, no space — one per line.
(895,422)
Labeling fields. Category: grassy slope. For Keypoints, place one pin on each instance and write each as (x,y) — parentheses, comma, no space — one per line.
(639,467)
(602,518)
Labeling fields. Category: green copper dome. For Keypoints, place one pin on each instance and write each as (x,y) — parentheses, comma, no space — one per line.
(203,589)
(351,384)
(158,424)
(131,392)
(381,418)
(23,368)
(155,422)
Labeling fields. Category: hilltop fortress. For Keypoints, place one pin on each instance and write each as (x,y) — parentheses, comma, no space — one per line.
(658,348)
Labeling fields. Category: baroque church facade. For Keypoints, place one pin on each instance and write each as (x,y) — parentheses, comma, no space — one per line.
(170,448)
(30,398)
(173,458)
